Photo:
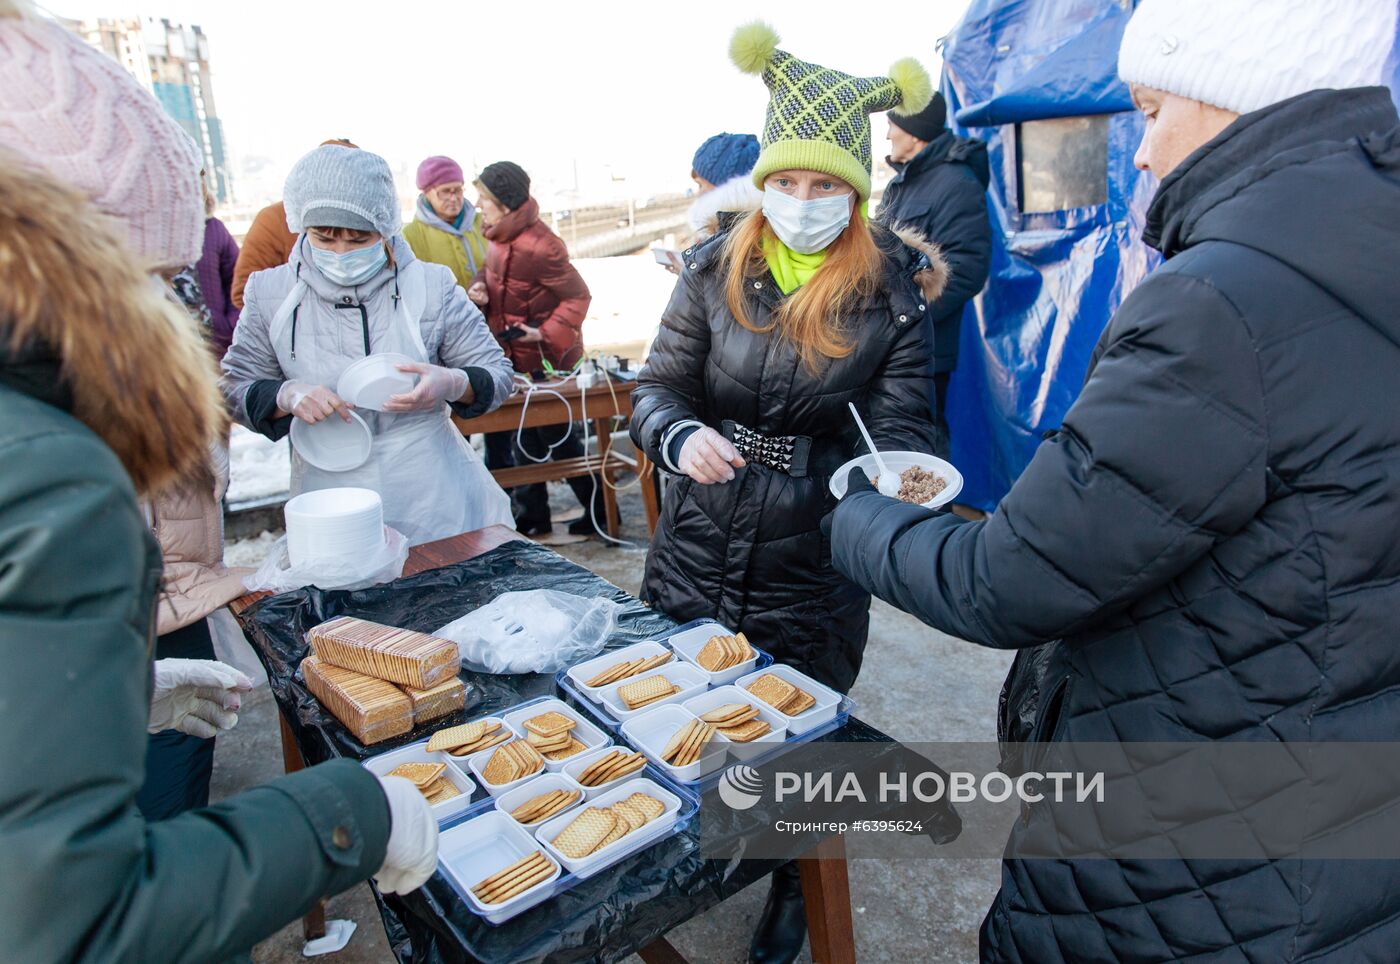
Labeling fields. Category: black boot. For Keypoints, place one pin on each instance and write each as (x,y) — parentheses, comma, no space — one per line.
(782,929)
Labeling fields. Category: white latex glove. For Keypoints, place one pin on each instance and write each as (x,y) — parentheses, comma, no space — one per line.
(311,403)
(709,457)
(435,386)
(196,696)
(411,856)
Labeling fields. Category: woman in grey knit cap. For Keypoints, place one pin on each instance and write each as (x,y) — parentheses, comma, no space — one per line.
(352,288)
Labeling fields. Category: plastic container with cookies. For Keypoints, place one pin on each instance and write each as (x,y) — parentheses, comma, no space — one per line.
(499,868)
(721,654)
(803,702)
(680,744)
(449,791)
(751,727)
(599,771)
(671,683)
(592,838)
(541,799)
(556,729)
(596,674)
(507,765)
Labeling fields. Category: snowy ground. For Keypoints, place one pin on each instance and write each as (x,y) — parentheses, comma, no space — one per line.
(628,297)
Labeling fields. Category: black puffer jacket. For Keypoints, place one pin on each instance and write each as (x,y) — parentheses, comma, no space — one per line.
(942,194)
(1214,535)
(750,553)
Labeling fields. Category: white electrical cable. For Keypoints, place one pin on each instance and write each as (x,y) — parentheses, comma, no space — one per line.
(593,495)
(530,392)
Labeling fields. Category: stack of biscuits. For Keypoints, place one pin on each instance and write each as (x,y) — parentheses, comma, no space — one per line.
(629,667)
(545,805)
(596,827)
(429,779)
(781,695)
(552,735)
(469,738)
(512,881)
(685,744)
(644,692)
(724,652)
(738,722)
(512,761)
(381,681)
(611,766)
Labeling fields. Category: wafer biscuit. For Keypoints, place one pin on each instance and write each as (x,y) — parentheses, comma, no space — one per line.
(645,690)
(614,673)
(799,702)
(550,724)
(620,828)
(573,747)
(773,690)
(677,740)
(730,714)
(515,879)
(422,774)
(464,735)
(628,763)
(492,738)
(442,791)
(636,816)
(546,744)
(502,767)
(745,732)
(398,655)
(370,708)
(650,807)
(627,815)
(585,832)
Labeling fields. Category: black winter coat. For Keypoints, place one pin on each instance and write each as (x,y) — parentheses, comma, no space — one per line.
(750,553)
(1213,535)
(942,194)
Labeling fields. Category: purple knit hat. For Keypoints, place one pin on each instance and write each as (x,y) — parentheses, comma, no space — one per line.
(72,112)
(439,170)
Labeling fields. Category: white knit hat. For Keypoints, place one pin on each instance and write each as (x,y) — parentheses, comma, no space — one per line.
(71,111)
(341,187)
(1243,55)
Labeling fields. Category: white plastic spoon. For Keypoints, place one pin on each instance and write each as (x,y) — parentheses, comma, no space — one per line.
(888,483)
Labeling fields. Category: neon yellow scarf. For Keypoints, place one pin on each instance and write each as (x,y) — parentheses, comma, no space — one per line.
(790,269)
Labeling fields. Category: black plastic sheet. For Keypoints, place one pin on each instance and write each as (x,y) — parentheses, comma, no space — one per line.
(605,917)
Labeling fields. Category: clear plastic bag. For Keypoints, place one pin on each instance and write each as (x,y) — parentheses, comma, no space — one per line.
(277,574)
(539,631)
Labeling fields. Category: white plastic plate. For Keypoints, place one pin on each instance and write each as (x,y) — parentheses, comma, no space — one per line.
(898,462)
(483,845)
(418,753)
(624,846)
(689,643)
(828,700)
(333,444)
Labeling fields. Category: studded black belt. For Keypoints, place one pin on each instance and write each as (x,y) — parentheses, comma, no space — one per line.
(783,453)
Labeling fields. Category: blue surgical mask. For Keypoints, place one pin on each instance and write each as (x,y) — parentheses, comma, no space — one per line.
(352,267)
(806,226)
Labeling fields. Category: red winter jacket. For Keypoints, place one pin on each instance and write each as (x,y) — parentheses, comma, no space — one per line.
(529,279)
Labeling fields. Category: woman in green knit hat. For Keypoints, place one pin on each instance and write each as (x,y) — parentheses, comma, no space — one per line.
(776,323)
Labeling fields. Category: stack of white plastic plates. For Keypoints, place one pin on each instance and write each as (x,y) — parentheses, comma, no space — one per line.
(334,524)
(333,444)
(369,382)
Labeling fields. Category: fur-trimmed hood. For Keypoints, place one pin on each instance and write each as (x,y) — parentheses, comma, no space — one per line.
(931,268)
(83,328)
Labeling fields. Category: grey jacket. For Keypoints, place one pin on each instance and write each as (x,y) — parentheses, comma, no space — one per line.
(454,333)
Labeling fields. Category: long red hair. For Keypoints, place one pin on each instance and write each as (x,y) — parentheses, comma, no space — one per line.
(813,317)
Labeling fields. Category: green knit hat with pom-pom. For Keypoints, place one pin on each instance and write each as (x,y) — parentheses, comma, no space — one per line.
(819,118)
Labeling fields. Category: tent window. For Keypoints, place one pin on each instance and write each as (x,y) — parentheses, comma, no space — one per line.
(1063,163)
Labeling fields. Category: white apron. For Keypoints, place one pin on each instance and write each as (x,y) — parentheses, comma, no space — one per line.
(432,482)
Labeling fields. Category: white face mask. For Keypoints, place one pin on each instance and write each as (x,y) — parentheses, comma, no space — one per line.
(806,226)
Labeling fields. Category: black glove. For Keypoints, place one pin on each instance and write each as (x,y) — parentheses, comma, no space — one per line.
(857,481)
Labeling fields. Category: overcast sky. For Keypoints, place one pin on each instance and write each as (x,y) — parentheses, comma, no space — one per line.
(627,86)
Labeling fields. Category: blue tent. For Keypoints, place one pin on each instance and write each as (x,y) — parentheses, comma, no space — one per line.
(1037,80)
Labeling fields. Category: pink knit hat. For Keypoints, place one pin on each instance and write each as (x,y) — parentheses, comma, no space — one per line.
(438,170)
(71,111)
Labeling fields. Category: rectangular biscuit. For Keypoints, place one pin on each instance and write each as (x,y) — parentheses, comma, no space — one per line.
(370,708)
(400,656)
